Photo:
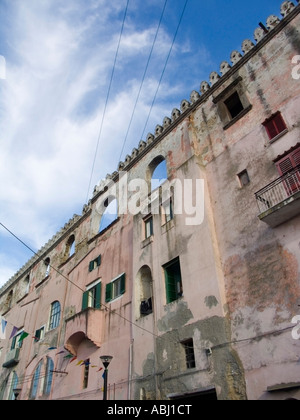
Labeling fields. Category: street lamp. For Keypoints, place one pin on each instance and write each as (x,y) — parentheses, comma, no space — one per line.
(17,392)
(106,361)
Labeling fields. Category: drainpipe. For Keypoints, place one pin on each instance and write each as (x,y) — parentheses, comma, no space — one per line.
(130,367)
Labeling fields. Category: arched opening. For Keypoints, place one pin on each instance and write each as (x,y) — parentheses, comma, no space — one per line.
(110,213)
(144,293)
(158,172)
(47,267)
(71,246)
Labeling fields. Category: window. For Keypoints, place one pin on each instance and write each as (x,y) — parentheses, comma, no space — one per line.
(49,376)
(110,214)
(54,315)
(173,280)
(86,371)
(143,290)
(17,342)
(8,302)
(275,125)
(95,263)
(159,175)
(92,297)
(234,105)
(39,334)
(35,381)
(42,378)
(148,222)
(70,246)
(189,353)
(167,211)
(47,266)
(115,289)
(244,178)
(290,163)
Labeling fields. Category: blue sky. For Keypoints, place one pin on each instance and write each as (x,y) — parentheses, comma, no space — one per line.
(58,58)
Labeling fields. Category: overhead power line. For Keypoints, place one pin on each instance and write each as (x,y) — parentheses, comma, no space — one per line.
(143,78)
(165,67)
(106,101)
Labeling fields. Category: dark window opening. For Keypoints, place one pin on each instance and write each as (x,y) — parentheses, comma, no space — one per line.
(86,372)
(234,105)
(244,178)
(146,307)
(189,353)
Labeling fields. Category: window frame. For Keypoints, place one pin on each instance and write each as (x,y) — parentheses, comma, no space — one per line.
(148,222)
(167,211)
(39,334)
(55,314)
(275,126)
(235,88)
(114,290)
(189,350)
(95,289)
(173,281)
(95,263)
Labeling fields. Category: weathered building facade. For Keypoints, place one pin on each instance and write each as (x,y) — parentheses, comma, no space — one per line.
(191,285)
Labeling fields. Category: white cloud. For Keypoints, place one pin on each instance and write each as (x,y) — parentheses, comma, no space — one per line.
(52,102)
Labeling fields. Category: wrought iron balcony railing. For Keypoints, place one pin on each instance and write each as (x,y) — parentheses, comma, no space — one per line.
(279,190)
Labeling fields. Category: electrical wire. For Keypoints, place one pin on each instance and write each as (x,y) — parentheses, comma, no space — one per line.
(143,78)
(165,66)
(144,329)
(106,101)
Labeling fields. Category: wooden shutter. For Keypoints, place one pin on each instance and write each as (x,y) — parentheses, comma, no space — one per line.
(108,292)
(85,300)
(91,266)
(171,289)
(98,296)
(286,165)
(98,260)
(296,158)
(275,125)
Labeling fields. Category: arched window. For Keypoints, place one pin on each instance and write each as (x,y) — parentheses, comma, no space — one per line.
(144,292)
(54,315)
(14,384)
(49,376)
(158,172)
(110,213)
(35,381)
(71,246)
(47,267)
(8,302)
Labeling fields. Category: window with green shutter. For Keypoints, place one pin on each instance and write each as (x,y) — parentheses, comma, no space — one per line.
(173,280)
(95,263)
(116,288)
(92,297)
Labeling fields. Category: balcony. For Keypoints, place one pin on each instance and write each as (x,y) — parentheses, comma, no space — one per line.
(12,358)
(87,324)
(279,201)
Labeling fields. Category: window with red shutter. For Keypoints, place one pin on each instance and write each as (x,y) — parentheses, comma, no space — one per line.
(287,164)
(275,125)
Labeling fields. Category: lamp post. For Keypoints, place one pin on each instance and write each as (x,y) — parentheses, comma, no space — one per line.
(106,361)
(17,392)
